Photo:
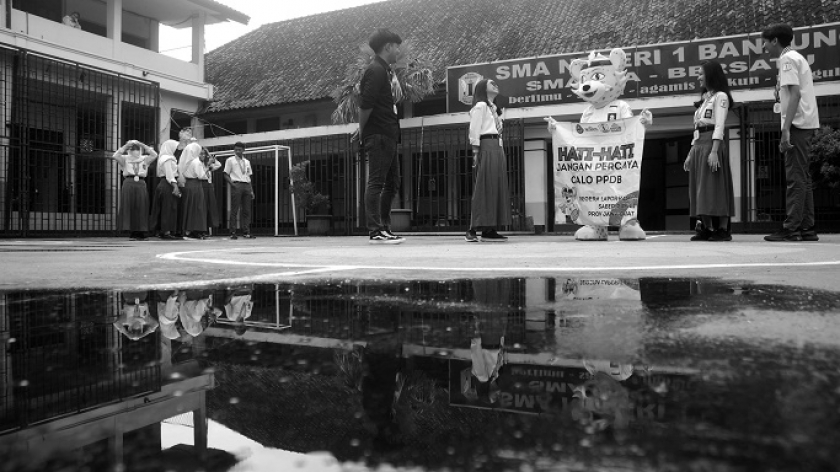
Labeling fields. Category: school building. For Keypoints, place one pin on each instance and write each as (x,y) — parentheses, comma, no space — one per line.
(70,97)
(273,87)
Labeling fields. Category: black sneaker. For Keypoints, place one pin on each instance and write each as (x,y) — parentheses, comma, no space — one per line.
(233,235)
(471,237)
(379,237)
(492,237)
(720,235)
(702,235)
(784,235)
(387,232)
(809,234)
(249,236)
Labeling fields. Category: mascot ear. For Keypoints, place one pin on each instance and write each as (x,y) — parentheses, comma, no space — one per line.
(575,67)
(618,59)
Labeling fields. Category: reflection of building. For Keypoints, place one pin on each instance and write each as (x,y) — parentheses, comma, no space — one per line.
(69,380)
(70,97)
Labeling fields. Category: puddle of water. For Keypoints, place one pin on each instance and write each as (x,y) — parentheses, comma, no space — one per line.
(489,374)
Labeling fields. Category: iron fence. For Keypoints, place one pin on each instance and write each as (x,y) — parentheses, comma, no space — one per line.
(63,121)
(763,176)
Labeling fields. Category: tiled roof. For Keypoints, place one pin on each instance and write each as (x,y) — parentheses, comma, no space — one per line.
(304,59)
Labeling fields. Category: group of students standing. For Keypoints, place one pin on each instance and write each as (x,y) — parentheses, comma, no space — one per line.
(183,205)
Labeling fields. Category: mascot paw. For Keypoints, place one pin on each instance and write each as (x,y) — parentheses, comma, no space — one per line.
(631,231)
(591,233)
(551,122)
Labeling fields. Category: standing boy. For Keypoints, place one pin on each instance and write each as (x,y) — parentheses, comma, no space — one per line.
(238,176)
(797,103)
(379,130)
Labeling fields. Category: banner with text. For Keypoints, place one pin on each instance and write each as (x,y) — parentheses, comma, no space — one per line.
(654,71)
(597,171)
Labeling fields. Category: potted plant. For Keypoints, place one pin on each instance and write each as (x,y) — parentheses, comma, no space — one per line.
(825,157)
(308,198)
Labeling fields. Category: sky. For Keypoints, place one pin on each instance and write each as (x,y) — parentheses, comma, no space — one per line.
(177,43)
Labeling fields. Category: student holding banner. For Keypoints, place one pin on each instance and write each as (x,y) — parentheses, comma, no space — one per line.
(491,199)
(711,196)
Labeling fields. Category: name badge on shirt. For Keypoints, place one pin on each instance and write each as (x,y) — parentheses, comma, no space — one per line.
(708,114)
(612,117)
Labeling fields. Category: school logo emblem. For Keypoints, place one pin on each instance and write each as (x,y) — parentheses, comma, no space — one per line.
(466,87)
(579,129)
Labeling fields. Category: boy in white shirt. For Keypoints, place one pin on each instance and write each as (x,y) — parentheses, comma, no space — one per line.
(797,104)
(238,174)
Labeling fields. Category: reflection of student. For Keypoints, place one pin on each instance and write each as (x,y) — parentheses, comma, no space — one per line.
(602,401)
(379,386)
(194,306)
(168,308)
(238,308)
(487,355)
(135,321)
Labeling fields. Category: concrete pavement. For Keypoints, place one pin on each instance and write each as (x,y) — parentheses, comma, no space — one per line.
(122,264)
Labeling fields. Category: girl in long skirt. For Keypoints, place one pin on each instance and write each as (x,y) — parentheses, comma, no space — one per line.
(133,214)
(190,168)
(711,194)
(210,165)
(167,194)
(491,198)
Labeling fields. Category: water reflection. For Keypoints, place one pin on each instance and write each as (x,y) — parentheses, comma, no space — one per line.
(466,375)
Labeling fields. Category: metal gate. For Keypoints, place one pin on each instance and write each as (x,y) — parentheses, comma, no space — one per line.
(763,176)
(64,120)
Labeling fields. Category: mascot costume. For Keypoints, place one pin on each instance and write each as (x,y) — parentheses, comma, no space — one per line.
(600,81)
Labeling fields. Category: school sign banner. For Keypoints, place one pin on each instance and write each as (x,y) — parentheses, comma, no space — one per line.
(597,171)
(654,70)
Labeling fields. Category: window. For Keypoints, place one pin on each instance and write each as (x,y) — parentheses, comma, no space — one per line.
(236,127)
(268,124)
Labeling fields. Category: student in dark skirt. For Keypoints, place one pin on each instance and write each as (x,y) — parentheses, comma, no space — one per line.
(167,194)
(491,198)
(210,166)
(134,197)
(194,216)
(711,196)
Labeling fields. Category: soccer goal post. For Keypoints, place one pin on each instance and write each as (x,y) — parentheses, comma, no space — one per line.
(276,148)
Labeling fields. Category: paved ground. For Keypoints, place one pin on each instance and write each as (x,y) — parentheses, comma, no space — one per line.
(119,263)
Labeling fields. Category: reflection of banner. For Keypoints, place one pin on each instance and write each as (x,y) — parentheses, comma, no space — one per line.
(597,168)
(654,71)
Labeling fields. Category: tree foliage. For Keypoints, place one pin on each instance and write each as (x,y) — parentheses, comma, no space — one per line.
(825,157)
(415,80)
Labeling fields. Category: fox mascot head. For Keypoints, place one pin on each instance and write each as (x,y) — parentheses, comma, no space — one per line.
(599,80)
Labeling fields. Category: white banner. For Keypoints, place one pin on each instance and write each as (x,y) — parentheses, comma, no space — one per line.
(597,169)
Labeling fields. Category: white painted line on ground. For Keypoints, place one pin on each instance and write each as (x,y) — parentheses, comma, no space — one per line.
(236,280)
(178,256)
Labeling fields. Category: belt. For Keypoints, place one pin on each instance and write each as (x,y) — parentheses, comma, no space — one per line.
(705,128)
(489,136)
(135,178)
(240,182)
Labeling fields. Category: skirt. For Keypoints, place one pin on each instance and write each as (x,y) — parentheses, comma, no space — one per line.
(134,206)
(194,217)
(709,193)
(210,202)
(491,197)
(164,209)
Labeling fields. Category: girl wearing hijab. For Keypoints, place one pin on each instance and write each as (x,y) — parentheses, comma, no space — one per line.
(210,166)
(134,197)
(491,199)
(165,199)
(190,170)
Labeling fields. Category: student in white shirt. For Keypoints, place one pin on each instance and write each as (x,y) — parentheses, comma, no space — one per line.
(210,166)
(491,199)
(238,174)
(797,104)
(134,196)
(165,199)
(194,210)
(711,194)
(72,20)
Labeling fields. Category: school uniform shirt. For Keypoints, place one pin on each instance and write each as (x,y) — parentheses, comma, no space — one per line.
(168,315)
(134,167)
(238,169)
(195,170)
(168,168)
(617,110)
(712,112)
(239,308)
(484,120)
(794,70)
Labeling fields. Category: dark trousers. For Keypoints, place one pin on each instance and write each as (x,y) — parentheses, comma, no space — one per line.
(383,180)
(240,205)
(799,196)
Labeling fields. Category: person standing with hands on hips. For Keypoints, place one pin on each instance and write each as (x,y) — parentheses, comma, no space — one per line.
(710,191)
(797,104)
(379,131)
(491,198)
(238,174)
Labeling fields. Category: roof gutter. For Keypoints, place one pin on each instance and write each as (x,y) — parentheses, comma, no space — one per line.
(223,10)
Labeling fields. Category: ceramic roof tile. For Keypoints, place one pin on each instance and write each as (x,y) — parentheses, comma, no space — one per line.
(304,59)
